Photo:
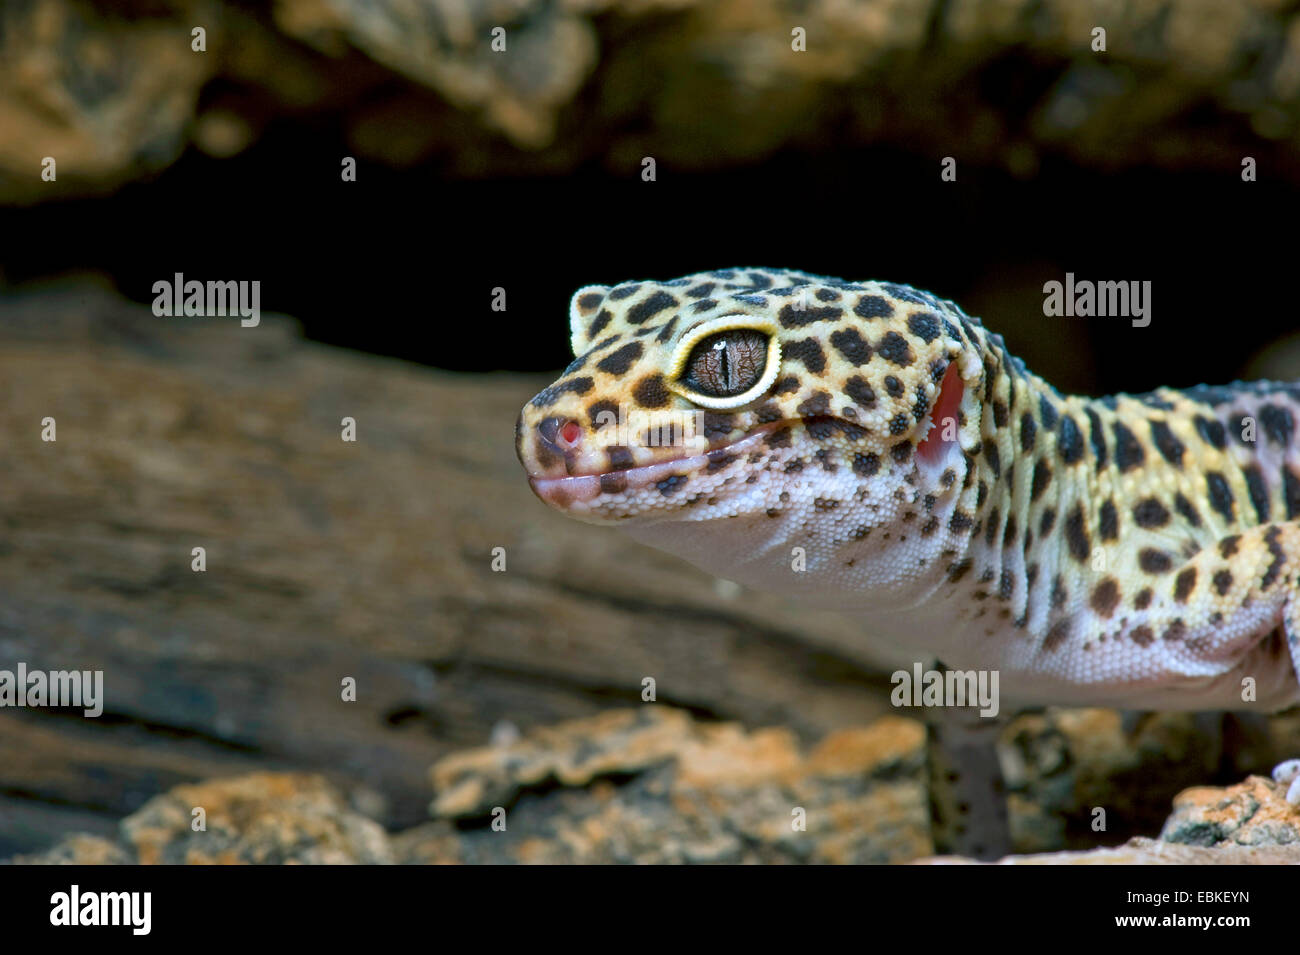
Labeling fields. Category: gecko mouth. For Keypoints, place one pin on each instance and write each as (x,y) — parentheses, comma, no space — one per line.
(563,492)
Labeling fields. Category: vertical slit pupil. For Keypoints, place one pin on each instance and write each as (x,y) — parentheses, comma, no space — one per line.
(728,363)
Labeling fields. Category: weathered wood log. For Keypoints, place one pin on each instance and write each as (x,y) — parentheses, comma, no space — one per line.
(325,559)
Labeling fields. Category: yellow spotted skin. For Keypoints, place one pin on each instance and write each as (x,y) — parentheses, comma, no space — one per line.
(895,462)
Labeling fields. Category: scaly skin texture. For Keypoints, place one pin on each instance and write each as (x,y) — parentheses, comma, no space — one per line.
(891,459)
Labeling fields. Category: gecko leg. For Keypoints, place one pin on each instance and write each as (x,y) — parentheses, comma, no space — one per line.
(1287,773)
(967,795)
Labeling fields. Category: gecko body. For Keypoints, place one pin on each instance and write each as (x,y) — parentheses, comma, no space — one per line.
(868,447)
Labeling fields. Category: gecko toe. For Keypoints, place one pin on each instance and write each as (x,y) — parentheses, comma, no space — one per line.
(1288,774)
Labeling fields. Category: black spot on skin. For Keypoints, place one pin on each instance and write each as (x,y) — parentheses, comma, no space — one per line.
(960,569)
(651,307)
(577,386)
(667,331)
(1222,582)
(624,291)
(893,386)
(792,317)
(860,391)
(1047,411)
(1108,521)
(701,291)
(921,405)
(860,532)
(603,407)
(959,521)
(1150,513)
(613,482)
(1143,599)
(1274,569)
(1076,534)
(991,455)
(1105,597)
(1211,432)
(1290,492)
(1128,450)
(1057,634)
(719,458)
(1220,495)
(1028,432)
(1006,584)
(1143,636)
(1171,449)
(818,403)
(704,305)
(1070,441)
(1279,425)
(672,483)
(823,457)
(865,463)
(1041,479)
(1097,436)
(930,526)
(1154,561)
(898,424)
(598,324)
(620,458)
(924,325)
(590,301)
(995,519)
(1000,414)
(1009,535)
(851,345)
(1229,545)
(809,351)
(1175,631)
(780,438)
(1047,522)
(894,348)
(827,295)
(772,512)
(873,306)
(1258,491)
(1059,593)
(620,360)
(650,392)
(766,413)
(901,452)
(783,386)
(1186,511)
(1184,584)
(825,504)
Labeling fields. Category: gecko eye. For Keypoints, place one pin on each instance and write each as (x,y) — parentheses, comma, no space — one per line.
(726,364)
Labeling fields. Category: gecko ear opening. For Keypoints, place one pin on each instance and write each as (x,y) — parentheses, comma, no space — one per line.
(587,317)
(943,419)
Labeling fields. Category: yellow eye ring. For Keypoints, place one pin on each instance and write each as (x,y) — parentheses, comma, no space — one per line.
(726,323)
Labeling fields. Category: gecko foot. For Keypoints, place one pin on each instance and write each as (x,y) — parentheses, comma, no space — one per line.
(1288,774)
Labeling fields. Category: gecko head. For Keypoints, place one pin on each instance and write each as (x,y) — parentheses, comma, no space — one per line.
(751,392)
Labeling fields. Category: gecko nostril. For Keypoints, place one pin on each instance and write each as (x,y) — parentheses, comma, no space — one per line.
(560,434)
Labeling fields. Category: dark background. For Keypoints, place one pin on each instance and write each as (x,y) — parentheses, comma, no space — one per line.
(402,262)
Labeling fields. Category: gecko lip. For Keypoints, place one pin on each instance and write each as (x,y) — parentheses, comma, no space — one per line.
(583,488)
